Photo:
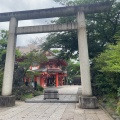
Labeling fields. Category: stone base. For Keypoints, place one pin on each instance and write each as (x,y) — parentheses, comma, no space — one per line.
(51,94)
(7,101)
(86,102)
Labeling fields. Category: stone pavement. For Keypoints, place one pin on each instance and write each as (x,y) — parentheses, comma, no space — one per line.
(52,111)
(67,94)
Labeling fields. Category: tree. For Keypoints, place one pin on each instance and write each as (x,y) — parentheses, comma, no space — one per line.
(3,46)
(22,68)
(107,71)
(101,28)
(73,69)
(109,60)
(76,2)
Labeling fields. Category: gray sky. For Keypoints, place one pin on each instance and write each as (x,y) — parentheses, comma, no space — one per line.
(20,5)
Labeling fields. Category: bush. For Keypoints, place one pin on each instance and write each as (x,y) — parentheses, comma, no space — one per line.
(118,108)
(106,70)
(118,105)
(36,93)
(118,94)
(39,88)
(23,92)
(23,97)
(105,83)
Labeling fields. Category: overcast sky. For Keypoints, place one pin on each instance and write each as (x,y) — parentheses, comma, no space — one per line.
(20,5)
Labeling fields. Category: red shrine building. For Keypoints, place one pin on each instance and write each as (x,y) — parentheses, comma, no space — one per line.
(51,72)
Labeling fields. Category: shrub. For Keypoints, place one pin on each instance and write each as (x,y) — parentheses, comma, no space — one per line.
(23,97)
(39,88)
(36,93)
(106,83)
(118,108)
(22,91)
(118,105)
(118,94)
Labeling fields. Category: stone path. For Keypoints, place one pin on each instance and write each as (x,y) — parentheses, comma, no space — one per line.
(66,95)
(52,111)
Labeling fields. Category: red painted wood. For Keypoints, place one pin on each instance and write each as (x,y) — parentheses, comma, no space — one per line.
(35,78)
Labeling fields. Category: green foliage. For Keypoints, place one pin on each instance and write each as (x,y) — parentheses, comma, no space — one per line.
(4,35)
(36,93)
(30,73)
(23,92)
(109,60)
(24,97)
(55,51)
(22,68)
(32,58)
(106,71)
(39,88)
(118,104)
(3,46)
(101,29)
(118,108)
(73,69)
(18,76)
(66,40)
(118,94)
(77,2)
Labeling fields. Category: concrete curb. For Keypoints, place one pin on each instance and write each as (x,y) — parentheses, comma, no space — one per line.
(51,101)
(107,113)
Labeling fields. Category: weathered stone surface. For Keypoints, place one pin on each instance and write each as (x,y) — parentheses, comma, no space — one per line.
(7,101)
(51,94)
(56,12)
(83,55)
(10,59)
(86,102)
(46,28)
(52,111)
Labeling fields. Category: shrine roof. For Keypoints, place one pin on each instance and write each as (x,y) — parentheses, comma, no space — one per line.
(51,57)
(41,70)
(54,70)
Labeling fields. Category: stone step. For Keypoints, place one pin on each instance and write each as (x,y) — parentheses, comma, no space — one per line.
(51,101)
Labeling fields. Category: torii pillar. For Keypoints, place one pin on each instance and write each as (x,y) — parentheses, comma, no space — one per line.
(86,99)
(7,97)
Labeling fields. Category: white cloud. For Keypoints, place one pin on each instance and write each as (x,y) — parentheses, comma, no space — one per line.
(20,5)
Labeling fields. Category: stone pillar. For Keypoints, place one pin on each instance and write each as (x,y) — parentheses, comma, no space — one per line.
(83,55)
(10,58)
(86,100)
(56,79)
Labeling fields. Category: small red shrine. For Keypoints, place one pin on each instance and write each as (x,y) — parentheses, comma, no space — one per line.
(51,72)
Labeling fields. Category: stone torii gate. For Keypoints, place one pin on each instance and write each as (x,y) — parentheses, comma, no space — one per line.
(80,12)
